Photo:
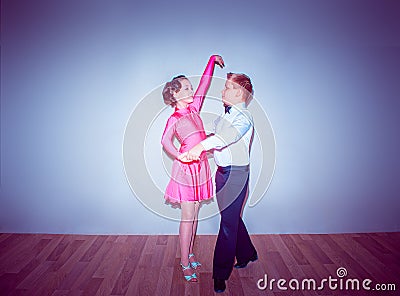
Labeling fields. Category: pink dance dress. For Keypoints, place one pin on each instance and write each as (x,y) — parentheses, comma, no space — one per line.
(189,181)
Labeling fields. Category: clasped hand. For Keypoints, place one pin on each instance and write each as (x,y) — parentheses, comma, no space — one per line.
(191,155)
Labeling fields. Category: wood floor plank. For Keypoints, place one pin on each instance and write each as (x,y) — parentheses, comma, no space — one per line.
(54,256)
(162,239)
(234,285)
(294,249)
(111,267)
(15,252)
(356,249)
(170,251)
(122,238)
(316,270)
(60,293)
(16,261)
(136,245)
(288,258)
(164,281)
(36,275)
(178,286)
(192,289)
(73,275)
(45,264)
(339,256)
(158,256)
(93,264)
(138,284)
(68,254)
(24,272)
(4,236)
(317,253)
(92,286)
(61,268)
(45,252)
(150,244)
(249,285)
(8,282)
(96,245)
(10,244)
(204,250)
(269,242)
(387,240)
(205,282)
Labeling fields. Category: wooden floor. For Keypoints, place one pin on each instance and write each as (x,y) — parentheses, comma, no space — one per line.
(43,264)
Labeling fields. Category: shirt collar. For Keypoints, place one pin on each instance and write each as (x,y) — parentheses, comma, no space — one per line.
(237,107)
(241,105)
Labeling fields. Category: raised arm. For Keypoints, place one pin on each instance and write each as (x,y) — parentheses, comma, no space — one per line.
(206,80)
(168,137)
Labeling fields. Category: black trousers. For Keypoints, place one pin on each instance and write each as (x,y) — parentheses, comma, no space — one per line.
(233,239)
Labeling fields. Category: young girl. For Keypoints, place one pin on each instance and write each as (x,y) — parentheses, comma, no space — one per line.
(190,181)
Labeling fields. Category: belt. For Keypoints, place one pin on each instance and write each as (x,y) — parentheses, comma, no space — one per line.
(226,169)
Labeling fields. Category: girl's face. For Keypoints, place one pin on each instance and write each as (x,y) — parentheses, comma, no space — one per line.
(185,94)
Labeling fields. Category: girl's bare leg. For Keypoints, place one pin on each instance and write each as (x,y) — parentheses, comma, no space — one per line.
(194,229)
(186,232)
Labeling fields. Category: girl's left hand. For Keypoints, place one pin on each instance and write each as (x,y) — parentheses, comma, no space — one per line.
(219,61)
(183,157)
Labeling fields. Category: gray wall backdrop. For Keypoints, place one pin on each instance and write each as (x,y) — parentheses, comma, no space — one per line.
(326,72)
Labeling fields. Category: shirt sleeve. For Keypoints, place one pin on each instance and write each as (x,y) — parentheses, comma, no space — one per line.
(228,135)
(204,84)
(168,137)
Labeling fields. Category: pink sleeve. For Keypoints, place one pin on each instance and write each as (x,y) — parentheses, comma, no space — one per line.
(168,137)
(204,84)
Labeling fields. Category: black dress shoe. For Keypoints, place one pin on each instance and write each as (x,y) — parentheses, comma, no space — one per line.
(244,264)
(219,285)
